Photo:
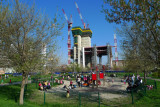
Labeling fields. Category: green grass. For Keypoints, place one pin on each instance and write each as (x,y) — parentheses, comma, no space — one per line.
(13,79)
(150,99)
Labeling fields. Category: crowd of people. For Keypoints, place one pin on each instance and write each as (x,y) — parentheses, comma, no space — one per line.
(86,80)
(83,80)
(44,85)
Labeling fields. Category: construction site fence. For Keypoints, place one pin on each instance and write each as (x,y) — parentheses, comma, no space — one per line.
(78,99)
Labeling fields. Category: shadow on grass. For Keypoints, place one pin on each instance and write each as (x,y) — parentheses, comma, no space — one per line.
(10,92)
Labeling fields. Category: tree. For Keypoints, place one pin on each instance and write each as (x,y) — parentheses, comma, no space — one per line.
(52,62)
(24,33)
(145,16)
(136,57)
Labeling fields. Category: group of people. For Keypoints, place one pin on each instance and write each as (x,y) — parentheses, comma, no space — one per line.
(132,84)
(86,80)
(44,85)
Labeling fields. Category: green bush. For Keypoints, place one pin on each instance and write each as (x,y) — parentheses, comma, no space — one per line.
(155,74)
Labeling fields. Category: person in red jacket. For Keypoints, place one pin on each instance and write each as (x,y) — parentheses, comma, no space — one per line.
(71,83)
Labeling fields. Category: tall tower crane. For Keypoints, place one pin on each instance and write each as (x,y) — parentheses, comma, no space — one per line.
(69,40)
(81,16)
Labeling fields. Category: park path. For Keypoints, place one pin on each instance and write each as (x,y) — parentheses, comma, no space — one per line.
(153,78)
(13,83)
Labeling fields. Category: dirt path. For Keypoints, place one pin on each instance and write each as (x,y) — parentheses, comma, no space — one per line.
(110,90)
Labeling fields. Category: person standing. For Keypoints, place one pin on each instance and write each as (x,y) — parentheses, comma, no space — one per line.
(67,93)
(133,77)
(10,81)
(71,83)
(51,77)
(78,81)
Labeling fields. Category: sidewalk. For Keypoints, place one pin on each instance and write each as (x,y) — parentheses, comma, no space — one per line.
(152,78)
(13,83)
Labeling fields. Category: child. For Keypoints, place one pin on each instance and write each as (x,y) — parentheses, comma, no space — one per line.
(67,93)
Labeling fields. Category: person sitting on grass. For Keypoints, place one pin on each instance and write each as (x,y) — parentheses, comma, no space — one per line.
(40,86)
(61,82)
(44,85)
(48,85)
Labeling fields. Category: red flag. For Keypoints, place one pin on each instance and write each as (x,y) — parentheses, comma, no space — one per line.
(94,77)
(101,75)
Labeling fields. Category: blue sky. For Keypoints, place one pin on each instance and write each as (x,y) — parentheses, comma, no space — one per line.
(91,12)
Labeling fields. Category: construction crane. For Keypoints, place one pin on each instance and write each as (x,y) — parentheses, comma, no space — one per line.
(69,40)
(81,16)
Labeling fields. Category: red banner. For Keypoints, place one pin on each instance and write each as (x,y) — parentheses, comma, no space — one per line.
(94,77)
(101,75)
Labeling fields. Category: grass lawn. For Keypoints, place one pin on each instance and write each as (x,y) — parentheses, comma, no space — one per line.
(13,79)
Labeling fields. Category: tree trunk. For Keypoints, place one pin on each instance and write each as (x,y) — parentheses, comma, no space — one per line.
(144,76)
(22,90)
(26,80)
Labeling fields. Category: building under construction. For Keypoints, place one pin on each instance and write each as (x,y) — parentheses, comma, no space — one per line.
(83,53)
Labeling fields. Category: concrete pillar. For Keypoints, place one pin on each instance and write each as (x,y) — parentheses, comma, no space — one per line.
(100,63)
(74,57)
(100,60)
(83,57)
(111,62)
(79,49)
(109,57)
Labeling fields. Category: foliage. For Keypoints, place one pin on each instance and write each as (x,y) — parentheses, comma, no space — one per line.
(77,68)
(52,62)
(144,16)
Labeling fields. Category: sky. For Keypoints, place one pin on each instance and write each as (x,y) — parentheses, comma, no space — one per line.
(102,30)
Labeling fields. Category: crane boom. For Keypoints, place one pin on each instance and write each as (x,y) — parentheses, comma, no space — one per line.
(65,15)
(80,15)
